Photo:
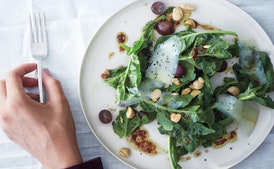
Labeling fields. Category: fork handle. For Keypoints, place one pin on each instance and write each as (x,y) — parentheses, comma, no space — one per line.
(40,83)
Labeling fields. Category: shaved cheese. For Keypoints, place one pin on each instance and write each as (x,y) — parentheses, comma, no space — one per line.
(164,61)
(245,114)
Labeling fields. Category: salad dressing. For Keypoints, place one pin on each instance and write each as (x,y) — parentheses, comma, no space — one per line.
(121,38)
(140,140)
(228,138)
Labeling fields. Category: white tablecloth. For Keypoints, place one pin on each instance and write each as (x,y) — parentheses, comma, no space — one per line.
(71,24)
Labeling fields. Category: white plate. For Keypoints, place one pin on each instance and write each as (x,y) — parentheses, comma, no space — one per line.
(96,95)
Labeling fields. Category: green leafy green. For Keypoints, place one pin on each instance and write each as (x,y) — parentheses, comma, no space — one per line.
(124,126)
(173,153)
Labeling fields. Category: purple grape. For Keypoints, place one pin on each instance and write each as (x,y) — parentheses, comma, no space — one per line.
(180,71)
(223,66)
(158,8)
(105,116)
(165,27)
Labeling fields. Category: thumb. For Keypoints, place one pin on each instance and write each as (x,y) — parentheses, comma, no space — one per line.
(53,87)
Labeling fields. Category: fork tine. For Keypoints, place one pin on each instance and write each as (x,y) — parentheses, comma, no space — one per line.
(38,27)
(32,28)
(43,27)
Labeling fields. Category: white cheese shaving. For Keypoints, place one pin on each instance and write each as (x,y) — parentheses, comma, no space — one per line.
(164,61)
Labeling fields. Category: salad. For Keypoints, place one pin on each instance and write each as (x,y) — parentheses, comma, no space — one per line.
(169,79)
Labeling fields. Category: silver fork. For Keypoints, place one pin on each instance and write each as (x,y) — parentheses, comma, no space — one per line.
(39,46)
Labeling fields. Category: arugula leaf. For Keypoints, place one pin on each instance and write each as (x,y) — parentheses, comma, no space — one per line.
(216,47)
(258,95)
(191,142)
(172,101)
(129,82)
(173,153)
(268,70)
(209,65)
(164,120)
(228,82)
(189,39)
(219,126)
(192,112)
(115,76)
(199,129)
(124,126)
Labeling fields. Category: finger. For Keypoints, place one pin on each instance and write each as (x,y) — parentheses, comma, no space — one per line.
(53,88)
(29,82)
(3,91)
(14,80)
(33,96)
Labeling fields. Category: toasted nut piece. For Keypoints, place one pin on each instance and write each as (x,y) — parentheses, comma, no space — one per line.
(155,95)
(176,81)
(166,86)
(177,14)
(186,91)
(195,93)
(187,7)
(130,113)
(206,46)
(198,84)
(234,90)
(175,117)
(191,23)
(124,152)
(191,86)
(111,108)
(175,94)
(201,79)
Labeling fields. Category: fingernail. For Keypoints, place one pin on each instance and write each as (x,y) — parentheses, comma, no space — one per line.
(46,71)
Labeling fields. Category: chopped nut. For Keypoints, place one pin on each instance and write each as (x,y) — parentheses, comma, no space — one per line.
(124,152)
(186,91)
(130,113)
(177,14)
(166,86)
(195,93)
(175,117)
(206,46)
(175,94)
(187,7)
(191,23)
(198,84)
(191,86)
(111,108)
(234,90)
(201,79)
(155,95)
(176,81)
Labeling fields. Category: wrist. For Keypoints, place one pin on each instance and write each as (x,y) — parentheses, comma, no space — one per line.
(67,159)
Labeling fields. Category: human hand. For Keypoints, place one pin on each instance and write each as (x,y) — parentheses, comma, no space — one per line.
(46,131)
